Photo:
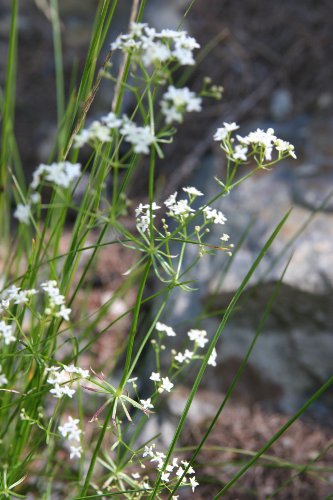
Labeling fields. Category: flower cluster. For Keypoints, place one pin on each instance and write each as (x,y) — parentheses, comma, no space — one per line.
(6,333)
(173,470)
(161,327)
(71,431)
(259,141)
(179,210)
(175,102)
(141,138)
(144,214)
(199,337)
(56,303)
(62,379)
(163,383)
(14,295)
(60,174)
(157,47)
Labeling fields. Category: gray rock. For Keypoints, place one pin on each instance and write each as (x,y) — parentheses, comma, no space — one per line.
(293,355)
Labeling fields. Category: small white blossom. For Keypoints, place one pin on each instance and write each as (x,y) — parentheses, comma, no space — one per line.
(180,358)
(212,358)
(224,131)
(176,101)
(240,153)
(155,377)
(146,403)
(75,451)
(165,476)
(166,385)
(148,451)
(22,213)
(35,198)
(70,429)
(157,47)
(217,216)
(140,137)
(61,174)
(225,237)
(169,202)
(161,327)
(192,191)
(6,332)
(193,483)
(198,336)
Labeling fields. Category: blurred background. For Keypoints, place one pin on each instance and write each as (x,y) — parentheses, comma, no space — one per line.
(274,60)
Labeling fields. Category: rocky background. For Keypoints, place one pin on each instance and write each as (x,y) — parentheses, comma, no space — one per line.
(274,60)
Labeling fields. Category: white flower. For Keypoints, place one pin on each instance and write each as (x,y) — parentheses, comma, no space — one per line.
(76,369)
(212,358)
(70,429)
(262,139)
(63,390)
(135,475)
(161,327)
(166,385)
(240,153)
(176,101)
(111,120)
(35,198)
(180,358)
(285,147)
(165,476)
(61,174)
(155,377)
(192,191)
(140,137)
(144,215)
(198,336)
(6,332)
(22,213)
(222,132)
(75,451)
(64,312)
(188,354)
(181,208)
(148,451)
(146,403)
(225,237)
(193,483)
(157,47)
(217,216)
(169,202)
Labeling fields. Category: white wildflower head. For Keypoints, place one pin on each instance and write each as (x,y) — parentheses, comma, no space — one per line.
(161,327)
(192,191)
(212,358)
(156,48)
(166,385)
(198,336)
(60,174)
(23,213)
(63,379)
(175,102)
(6,333)
(71,431)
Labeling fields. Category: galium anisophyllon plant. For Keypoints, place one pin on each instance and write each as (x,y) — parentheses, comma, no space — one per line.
(68,424)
